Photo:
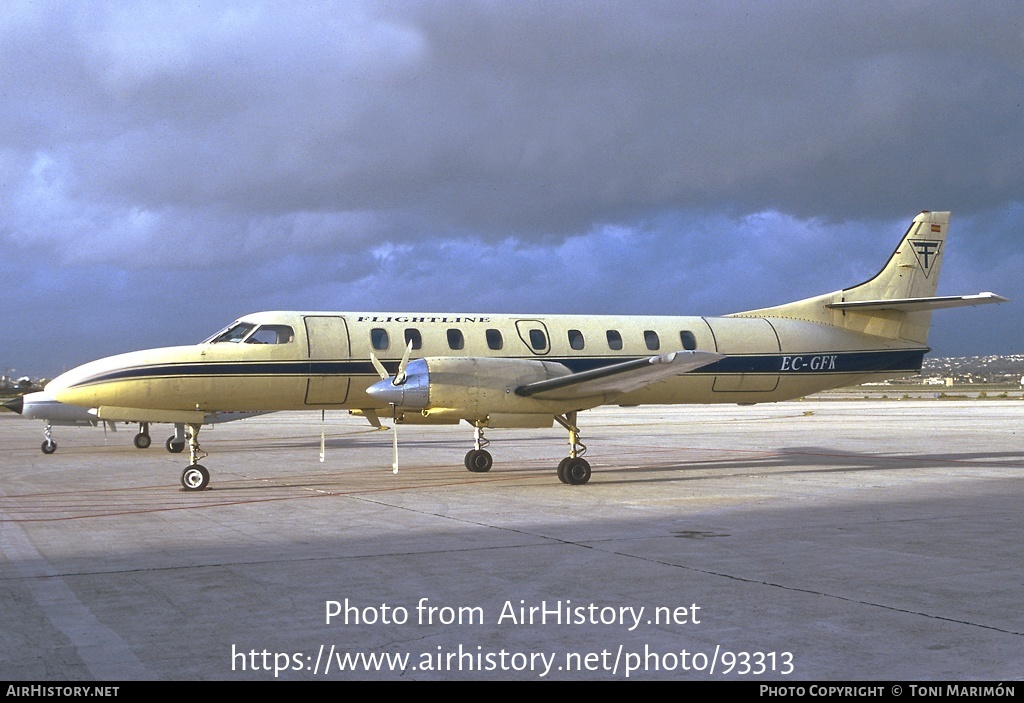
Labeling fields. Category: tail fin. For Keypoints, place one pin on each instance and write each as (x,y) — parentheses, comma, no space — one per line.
(913,269)
(897,303)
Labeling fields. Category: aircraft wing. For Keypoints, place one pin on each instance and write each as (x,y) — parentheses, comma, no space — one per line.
(618,378)
(916,304)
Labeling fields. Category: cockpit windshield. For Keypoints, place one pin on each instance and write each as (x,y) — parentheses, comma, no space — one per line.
(263,334)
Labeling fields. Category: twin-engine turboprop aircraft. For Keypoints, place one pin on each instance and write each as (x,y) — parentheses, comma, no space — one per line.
(529,370)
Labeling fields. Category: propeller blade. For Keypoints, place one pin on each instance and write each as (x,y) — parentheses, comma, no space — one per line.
(400,375)
(379,366)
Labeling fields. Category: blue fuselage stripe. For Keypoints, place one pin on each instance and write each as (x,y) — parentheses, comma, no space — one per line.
(800,363)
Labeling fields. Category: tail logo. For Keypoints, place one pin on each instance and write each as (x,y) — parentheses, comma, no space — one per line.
(927,252)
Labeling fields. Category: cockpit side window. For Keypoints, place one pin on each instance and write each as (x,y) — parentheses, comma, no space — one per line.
(235,333)
(272,334)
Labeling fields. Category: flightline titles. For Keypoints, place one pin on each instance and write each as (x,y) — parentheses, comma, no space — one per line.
(558,612)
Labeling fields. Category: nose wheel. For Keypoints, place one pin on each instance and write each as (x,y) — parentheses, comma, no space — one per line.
(195,478)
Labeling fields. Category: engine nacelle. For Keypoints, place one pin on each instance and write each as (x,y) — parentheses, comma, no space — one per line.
(472,387)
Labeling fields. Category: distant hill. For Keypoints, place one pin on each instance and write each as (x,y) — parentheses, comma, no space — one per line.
(975,369)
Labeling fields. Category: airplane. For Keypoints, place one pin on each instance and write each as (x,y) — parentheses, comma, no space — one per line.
(41,405)
(500,370)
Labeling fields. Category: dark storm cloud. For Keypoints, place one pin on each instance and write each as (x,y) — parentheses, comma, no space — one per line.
(525,118)
(507,156)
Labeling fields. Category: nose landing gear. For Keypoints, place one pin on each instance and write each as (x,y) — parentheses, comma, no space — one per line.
(195,477)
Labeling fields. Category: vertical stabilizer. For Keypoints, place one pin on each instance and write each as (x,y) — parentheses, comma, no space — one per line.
(913,269)
(897,302)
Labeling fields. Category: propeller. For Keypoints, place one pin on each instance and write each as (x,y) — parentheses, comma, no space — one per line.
(398,380)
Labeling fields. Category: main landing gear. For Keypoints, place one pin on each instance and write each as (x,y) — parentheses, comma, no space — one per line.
(478,459)
(573,469)
(195,477)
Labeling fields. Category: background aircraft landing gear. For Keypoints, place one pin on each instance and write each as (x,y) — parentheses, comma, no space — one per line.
(195,477)
(48,446)
(573,469)
(176,443)
(478,459)
(142,439)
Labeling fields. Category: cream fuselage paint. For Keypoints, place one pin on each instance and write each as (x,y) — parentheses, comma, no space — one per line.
(766,359)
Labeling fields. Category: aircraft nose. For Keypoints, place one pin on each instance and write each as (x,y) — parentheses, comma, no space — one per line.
(15,404)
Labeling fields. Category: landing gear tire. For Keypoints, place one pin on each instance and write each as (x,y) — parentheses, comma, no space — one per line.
(479,461)
(195,478)
(576,471)
(561,469)
(142,441)
(174,447)
(49,446)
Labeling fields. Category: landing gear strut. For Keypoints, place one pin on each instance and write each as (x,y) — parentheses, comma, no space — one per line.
(478,459)
(573,469)
(195,477)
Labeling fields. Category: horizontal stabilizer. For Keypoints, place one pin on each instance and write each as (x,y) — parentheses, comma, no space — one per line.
(618,378)
(918,304)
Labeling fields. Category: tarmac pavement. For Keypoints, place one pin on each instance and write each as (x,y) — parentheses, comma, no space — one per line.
(812,540)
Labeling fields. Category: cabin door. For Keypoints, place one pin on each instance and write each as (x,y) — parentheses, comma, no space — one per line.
(327,339)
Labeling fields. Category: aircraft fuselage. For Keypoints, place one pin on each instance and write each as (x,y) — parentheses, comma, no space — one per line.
(320,360)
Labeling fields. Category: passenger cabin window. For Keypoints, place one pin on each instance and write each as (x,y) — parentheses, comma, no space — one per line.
(494,340)
(614,340)
(688,340)
(576,339)
(538,340)
(271,334)
(455,339)
(651,340)
(234,333)
(414,336)
(379,338)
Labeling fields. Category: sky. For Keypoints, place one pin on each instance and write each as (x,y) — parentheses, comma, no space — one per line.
(166,167)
